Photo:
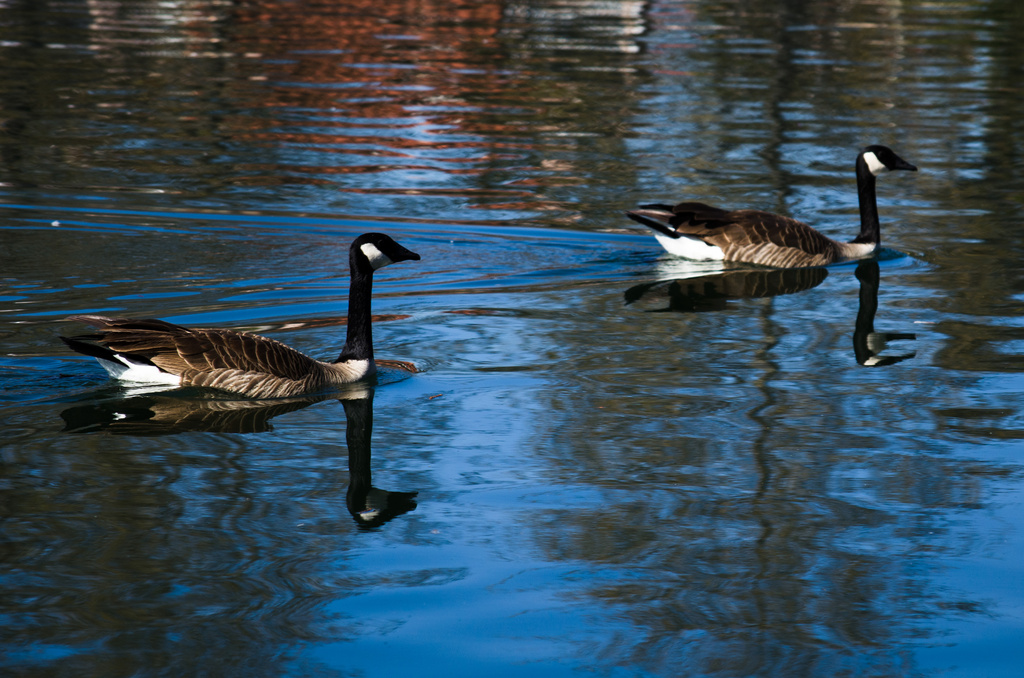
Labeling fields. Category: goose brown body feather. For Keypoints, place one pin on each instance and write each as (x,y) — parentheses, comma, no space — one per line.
(240,362)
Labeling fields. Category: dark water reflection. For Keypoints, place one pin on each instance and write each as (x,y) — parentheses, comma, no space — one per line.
(190,410)
(605,481)
(164,554)
(158,414)
(714,291)
(867,343)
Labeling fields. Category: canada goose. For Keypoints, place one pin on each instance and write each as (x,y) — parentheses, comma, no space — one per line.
(154,351)
(697,231)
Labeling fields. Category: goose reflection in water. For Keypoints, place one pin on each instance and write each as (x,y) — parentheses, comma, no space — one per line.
(179,411)
(868,344)
(368,505)
(713,291)
(169,413)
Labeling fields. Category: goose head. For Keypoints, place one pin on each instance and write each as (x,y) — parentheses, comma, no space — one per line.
(372,251)
(878,158)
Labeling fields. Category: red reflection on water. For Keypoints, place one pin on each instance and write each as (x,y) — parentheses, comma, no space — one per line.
(434,97)
(411,86)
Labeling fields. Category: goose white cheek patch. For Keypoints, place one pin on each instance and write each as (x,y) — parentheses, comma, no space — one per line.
(376,258)
(874,164)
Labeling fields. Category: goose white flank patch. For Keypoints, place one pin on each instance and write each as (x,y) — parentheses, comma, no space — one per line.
(157,352)
(698,231)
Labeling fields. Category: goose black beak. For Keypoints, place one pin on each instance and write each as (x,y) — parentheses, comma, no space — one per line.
(407,255)
(901,164)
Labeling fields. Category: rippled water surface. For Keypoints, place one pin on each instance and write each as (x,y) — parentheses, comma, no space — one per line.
(608,461)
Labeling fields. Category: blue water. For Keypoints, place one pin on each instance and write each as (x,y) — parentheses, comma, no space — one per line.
(607,461)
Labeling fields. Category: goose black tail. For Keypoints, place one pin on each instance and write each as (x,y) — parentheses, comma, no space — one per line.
(654,224)
(102,352)
(87,348)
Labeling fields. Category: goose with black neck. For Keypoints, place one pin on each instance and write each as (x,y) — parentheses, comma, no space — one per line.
(697,231)
(157,352)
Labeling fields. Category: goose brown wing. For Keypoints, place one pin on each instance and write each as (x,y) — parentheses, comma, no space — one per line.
(755,236)
(185,351)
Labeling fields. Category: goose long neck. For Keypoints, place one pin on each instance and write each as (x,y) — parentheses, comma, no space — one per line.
(359,339)
(870,231)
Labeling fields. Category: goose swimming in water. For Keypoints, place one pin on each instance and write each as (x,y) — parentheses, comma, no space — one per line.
(698,231)
(158,352)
